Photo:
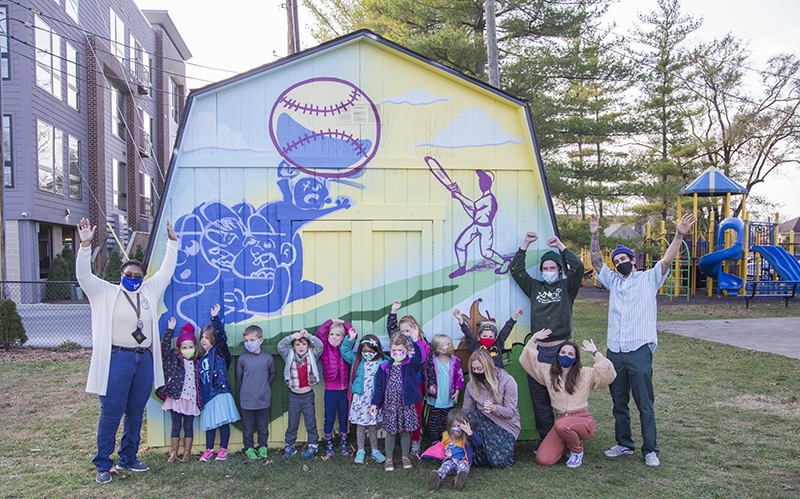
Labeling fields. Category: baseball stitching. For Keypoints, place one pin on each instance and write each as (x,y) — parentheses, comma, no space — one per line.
(338,109)
(357,146)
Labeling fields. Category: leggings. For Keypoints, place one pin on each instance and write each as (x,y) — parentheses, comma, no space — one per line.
(438,423)
(405,444)
(417,434)
(179,420)
(361,434)
(224,436)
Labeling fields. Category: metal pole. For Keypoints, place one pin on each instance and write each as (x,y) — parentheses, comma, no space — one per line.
(491,45)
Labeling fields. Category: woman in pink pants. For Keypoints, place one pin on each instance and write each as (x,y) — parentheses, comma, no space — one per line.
(569,383)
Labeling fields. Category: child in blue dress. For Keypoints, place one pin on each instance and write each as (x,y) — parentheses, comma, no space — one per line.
(219,409)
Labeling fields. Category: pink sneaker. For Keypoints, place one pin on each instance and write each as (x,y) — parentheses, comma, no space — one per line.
(222,454)
(206,455)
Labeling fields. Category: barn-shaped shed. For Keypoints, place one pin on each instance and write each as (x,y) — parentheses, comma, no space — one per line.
(340,179)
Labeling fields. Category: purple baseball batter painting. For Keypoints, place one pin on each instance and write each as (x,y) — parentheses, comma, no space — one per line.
(482,212)
(326,127)
(248,259)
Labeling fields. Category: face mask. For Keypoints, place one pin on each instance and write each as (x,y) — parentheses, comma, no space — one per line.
(130,283)
(251,346)
(398,357)
(566,361)
(479,377)
(449,350)
(487,342)
(550,277)
(455,431)
(625,268)
(334,342)
(368,356)
(187,353)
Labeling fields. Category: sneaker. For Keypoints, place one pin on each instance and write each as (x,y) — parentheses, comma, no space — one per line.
(309,453)
(377,456)
(102,477)
(407,463)
(388,465)
(416,447)
(222,454)
(435,480)
(575,459)
(618,450)
(289,451)
(652,459)
(329,447)
(345,450)
(460,481)
(251,454)
(360,455)
(263,452)
(136,467)
(206,455)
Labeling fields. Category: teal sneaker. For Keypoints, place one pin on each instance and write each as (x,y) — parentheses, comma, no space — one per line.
(309,453)
(360,457)
(263,452)
(251,454)
(377,456)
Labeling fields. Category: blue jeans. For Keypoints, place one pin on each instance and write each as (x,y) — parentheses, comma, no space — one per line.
(634,377)
(130,381)
(335,402)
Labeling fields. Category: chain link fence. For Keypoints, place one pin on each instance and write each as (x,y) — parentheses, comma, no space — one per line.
(52,312)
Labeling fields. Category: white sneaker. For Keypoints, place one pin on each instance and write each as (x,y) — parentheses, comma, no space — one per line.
(619,450)
(574,459)
(651,459)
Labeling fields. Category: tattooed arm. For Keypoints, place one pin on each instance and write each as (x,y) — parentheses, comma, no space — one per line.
(594,249)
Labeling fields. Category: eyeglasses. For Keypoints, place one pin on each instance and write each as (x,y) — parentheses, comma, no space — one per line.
(133,276)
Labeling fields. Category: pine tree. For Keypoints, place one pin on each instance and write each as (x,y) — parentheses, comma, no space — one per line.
(113,267)
(12,332)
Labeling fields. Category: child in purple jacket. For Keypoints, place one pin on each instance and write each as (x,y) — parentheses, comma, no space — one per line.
(336,372)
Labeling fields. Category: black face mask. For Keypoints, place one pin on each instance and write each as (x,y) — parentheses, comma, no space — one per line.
(625,268)
(479,377)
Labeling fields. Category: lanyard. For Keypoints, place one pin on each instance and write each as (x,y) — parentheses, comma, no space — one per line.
(137,308)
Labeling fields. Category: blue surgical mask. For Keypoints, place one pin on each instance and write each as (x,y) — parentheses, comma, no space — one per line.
(398,357)
(550,277)
(131,283)
(252,346)
(565,360)
(368,356)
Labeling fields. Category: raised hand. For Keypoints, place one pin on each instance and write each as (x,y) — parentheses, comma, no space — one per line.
(457,315)
(685,224)
(171,232)
(86,232)
(517,314)
(555,242)
(215,310)
(352,334)
(594,224)
(542,334)
(396,306)
(171,323)
(529,238)
(589,346)
(465,427)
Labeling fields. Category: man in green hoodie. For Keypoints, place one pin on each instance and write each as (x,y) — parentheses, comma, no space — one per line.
(551,298)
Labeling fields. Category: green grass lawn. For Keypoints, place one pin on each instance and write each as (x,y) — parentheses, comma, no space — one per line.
(729,426)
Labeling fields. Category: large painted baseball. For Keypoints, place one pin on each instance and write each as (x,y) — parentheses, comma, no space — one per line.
(325,127)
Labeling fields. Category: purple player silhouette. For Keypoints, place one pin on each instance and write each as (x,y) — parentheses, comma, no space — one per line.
(482,212)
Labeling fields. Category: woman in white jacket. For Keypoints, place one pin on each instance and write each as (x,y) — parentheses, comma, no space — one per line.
(126,351)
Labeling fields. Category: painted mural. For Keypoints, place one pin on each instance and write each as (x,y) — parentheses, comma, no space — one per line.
(341,180)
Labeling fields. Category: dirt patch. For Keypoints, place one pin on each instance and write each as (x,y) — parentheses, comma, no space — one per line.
(787,406)
(25,354)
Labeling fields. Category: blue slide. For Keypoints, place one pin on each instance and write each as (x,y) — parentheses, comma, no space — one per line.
(786,265)
(711,264)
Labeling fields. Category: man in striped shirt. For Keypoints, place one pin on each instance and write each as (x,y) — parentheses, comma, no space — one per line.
(632,337)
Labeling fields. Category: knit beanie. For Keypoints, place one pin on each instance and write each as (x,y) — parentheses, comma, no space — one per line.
(622,250)
(487,325)
(187,334)
(550,255)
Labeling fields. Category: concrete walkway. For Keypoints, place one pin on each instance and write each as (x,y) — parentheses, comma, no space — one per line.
(780,335)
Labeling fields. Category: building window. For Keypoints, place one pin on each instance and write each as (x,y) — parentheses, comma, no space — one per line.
(117,36)
(4,63)
(117,112)
(120,173)
(74,145)
(8,156)
(146,195)
(174,100)
(144,74)
(50,158)
(72,9)
(73,88)
(132,55)
(48,59)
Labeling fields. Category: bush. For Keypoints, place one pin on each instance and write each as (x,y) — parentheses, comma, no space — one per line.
(138,254)
(67,346)
(113,267)
(12,332)
(59,271)
(69,257)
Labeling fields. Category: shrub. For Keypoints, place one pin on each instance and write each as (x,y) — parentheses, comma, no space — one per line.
(67,346)
(12,332)
(139,253)
(113,267)
(59,271)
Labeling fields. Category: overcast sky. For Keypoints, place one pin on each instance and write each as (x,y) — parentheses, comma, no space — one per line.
(243,34)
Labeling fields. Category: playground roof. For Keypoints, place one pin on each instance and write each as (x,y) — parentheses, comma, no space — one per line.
(712,182)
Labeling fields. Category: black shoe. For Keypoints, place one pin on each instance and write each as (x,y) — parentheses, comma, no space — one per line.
(435,480)
(102,477)
(136,467)
(460,480)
